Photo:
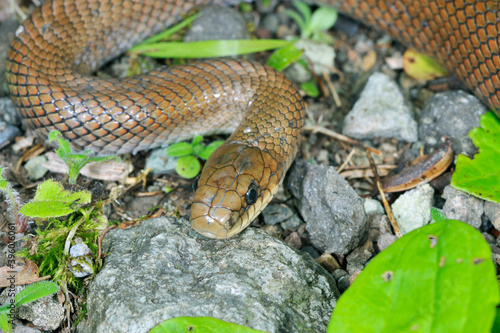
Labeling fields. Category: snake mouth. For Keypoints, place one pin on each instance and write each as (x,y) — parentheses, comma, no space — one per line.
(210,222)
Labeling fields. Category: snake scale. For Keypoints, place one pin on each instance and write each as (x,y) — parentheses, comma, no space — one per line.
(54,52)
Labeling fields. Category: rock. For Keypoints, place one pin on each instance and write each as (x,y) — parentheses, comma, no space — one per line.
(273,230)
(297,73)
(20,328)
(463,207)
(271,22)
(311,251)
(361,254)
(454,114)
(342,279)
(7,31)
(218,22)
(7,134)
(412,210)
(45,313)
(381,111)
(385,240)
(379,224)
(81,263)
(334,213)
(274,214)
(160,163)
(492,212)
(372,206)
(321,55)
(162,269)
(293,223)
(328,262)
(34,167)
(293,240)
(8,112)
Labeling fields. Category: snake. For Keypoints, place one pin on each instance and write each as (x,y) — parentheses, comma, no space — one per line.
(56,50)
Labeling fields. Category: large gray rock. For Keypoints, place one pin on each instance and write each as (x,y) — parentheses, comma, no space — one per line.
(451,113)
(381,111)
(162,269)
(218,22)
(463,207)
(334,213)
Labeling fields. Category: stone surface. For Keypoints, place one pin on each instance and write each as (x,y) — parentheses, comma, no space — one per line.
(463,207)
(381,111)
(274,214)
(162,269)
(492,212)
(412,210)
(334,213)
(454,114)
(218,22)
(7,31)
(372,206)
(34,167)
(379,224)
(45,313)
(385,240)
(160,163)
(8,112)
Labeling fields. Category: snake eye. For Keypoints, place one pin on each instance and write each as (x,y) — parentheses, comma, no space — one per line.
(252,193)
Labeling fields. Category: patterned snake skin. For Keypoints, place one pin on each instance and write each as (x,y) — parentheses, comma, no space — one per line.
(54,52)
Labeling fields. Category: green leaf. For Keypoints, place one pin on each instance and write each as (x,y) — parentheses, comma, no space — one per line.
(438,278)
(421,66)
(284,57)
(437,215)
(198,139)
(200,325)
(310,88)
(496,323)
(305,11)
(298,19)
(188,167)
(209,48)
(479,176)
(169,32)
(180,149)
(51,200)
(323,19)
(208,150)
(35,291)
(64,147)
(5,323)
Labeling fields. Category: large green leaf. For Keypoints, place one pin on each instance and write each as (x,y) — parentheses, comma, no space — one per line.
(51,200)
(200,325)
(438,278)
(208,49)
(481,176)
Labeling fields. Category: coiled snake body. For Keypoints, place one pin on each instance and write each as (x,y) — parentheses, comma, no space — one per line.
(54,52)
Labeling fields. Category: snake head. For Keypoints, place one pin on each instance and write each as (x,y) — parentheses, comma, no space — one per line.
(236,184)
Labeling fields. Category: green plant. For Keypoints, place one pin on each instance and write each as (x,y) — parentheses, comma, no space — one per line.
(153,47)
(313,25)
(438,278)
(30,293)
(51,200)
(200,324)
(75,162)
(188,165)
(479,176)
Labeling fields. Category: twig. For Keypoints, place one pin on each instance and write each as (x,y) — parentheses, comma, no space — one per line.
(393,221)
(347,160)
(335,135)
(101,237)
(331,88)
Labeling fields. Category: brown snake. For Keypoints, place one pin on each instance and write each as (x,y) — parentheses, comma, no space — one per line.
(54,52)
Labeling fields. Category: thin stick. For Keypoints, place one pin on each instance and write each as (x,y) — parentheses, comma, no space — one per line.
(335,135)
(101,237)
(388,210)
